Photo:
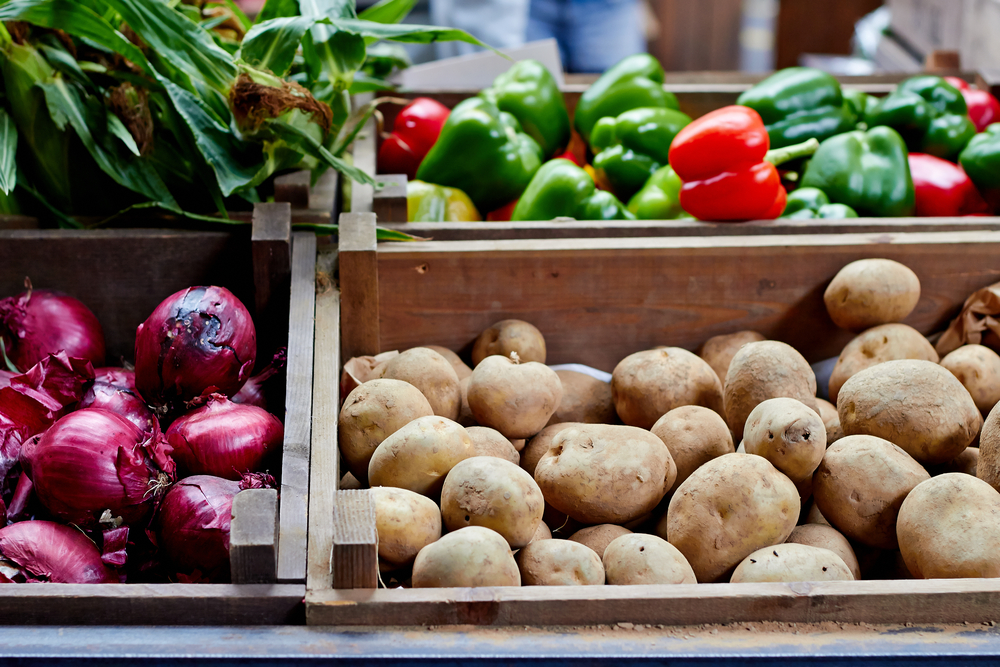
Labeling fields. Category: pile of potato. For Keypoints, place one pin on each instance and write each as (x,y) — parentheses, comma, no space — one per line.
(510,473)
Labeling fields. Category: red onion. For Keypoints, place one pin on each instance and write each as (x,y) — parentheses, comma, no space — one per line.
(94,460)
(223,438)
(120,377)
(252,392)
(42,322)
(5,377)
(47,551)
(110,391)
(197,339)
(193,524)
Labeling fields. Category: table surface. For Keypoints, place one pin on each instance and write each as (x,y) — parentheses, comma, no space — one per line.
(744,644)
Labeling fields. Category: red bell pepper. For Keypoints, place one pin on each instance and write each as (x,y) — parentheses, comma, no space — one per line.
(416,130)
(503,213)
(943,188)
(728,173)
(984,108)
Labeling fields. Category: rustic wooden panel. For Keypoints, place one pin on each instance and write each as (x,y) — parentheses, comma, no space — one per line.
(697,35)
(389,203)
(359,282)
(253,537)
(293,188)
(354,558)
(271,242)
(807,26)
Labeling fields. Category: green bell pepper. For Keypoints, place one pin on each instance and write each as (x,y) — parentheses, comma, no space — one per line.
(929,113)
(660,197)
(426,202)
(800,103)
(530,93)
(631,147)
(807,203)
(636,81)
(981,161)
(482,152)
(867,171)
(861,104)
(562,189)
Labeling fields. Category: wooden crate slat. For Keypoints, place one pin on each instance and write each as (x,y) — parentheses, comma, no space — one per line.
(354,557)
(271,241)
(253,537)
(359,280)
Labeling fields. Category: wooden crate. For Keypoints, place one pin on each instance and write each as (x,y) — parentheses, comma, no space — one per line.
(596,301)
(697,93)
(122,275)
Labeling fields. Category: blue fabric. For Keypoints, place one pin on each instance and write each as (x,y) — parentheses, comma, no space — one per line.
(593,35)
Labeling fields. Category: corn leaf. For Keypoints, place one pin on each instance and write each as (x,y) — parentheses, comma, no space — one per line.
(271,45)
(117,128)
(273,9)
(405,32)
(8,151)
(388,11)
(241,17)
(368,84)
(300,140)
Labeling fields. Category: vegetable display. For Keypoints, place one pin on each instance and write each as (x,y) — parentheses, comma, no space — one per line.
(417,127)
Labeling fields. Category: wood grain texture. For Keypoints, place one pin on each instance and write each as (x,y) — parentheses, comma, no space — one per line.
(806,26)
(271,245)
(923,601)
(389,204)
(18,222)
(253,537)
(324,473)
(354,557)
(293,188)
(294,510)
(697,35)
(598,300)
(359,281)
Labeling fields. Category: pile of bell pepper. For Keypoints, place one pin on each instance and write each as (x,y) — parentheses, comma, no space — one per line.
(795,145)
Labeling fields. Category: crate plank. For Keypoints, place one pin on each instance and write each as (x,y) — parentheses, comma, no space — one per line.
(253,537)
(271,241)
(359,283)
(390,199)
(354,557)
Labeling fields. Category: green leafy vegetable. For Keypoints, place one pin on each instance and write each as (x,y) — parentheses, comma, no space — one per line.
(8,150)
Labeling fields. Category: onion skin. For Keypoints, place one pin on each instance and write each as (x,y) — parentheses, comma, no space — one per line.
(40,322)
(107,394)
(119,377)
(223,438)
(201,338)
(93,460)
(47,551)
(193,526)
(253,392)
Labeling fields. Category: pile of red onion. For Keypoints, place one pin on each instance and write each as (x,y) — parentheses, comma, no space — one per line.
(89,460)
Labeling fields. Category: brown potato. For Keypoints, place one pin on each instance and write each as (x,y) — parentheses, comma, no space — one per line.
(729,508)
(977,367)
(493,493)
(585,399)
(639,558)
(916,404)
(814,516)
(599,537)
(827,412)
(508,336)
(468,558)
(465,416)
(538,445)
(694,435)
(827,537)
(431,373)
(790,563)
(860,485)
(372,412)
(462,369)
(515,398)
(967,462)
(489,442)
(787,433)
(349,483)
(870,292)
(759,371)
(885,342)
(406,522)
(719,351)
(419,455)
(599,473)
(541,533)
(518,443)
(559,563)
(949,527)
(647,385)
(988,467)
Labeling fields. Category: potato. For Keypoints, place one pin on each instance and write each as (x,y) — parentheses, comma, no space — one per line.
(949,527)
(599,537)
(349,483)
(462,369)
(493,493)
(406,522)
(694,435)
(916,404)
(814,516)
(599,473)
(514,398)
(967,462)
(585,399)
(431,373)
(538,445)
(419,455)
(788,434)
(645,559)
(489,442)
(465,416)
(827,412)
(860,485)
(879,344)
(827,537)
(372,412)
(834,432)
(977,367)
(729,508)
(647,385)
(508,336)
(988,467)
(719,351)
(541,533)
(560,522)
(518,443)
(870,292)
(759,371)
(559,563)
(791,562)
(470,557)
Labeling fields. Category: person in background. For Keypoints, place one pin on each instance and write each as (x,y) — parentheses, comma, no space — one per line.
(499,23)
(593,35)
